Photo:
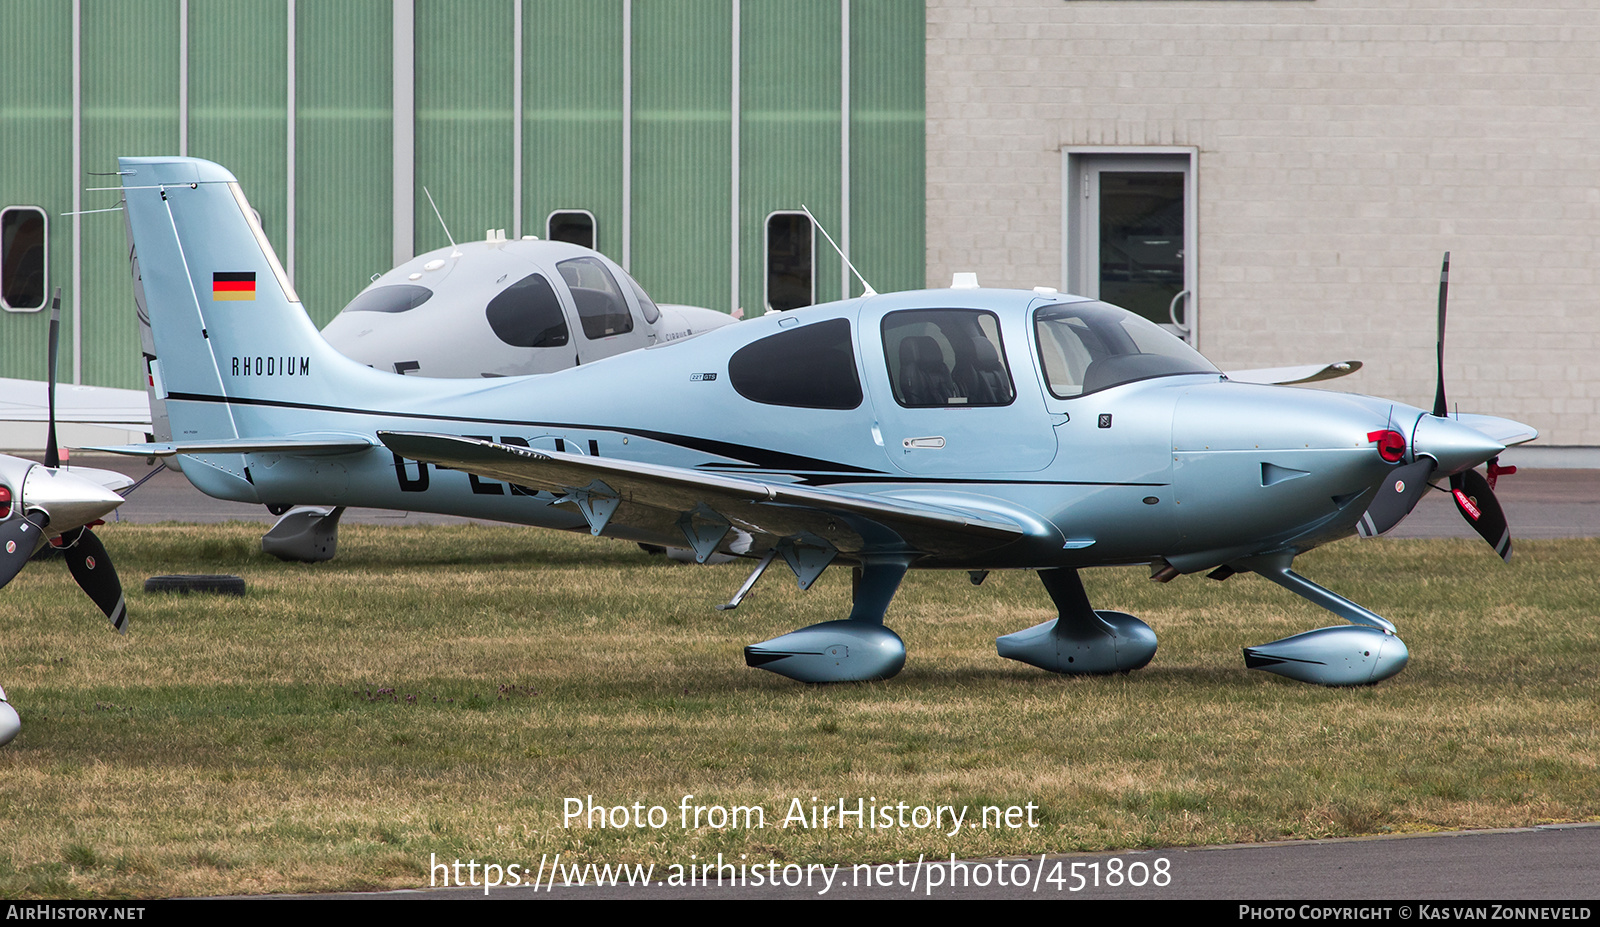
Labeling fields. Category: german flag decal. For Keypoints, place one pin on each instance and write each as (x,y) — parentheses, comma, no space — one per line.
(233,285)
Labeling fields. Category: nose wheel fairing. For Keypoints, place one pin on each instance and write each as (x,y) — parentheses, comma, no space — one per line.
(1365,652)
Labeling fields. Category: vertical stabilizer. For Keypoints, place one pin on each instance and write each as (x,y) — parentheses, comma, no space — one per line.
(227,336)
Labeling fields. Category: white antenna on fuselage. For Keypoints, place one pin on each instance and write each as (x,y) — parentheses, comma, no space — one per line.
(455,251)
(864,284)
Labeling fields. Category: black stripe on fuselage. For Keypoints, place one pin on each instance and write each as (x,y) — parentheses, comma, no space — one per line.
(757,461)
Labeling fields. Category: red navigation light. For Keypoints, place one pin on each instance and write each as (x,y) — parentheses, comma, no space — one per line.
(5,502)
(1391,444)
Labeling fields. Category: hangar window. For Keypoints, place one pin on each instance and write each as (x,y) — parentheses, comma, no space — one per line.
(24,253)
(527,314)
(811,367)
(1089,346)
(601,308)
(401,297)
(946,357)
(574,226)
(791,262)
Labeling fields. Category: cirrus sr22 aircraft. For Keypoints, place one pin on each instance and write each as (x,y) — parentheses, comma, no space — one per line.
(962,429)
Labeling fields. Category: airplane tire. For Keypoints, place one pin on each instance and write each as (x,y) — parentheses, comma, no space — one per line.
(183,584)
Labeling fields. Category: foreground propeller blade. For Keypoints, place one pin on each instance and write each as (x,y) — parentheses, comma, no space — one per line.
(1398,495)
(1478,505)
(91,567)
(52,454)
(1439,408)
(17,540)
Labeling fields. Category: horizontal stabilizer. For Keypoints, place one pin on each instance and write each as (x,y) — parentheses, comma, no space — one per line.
(310,445)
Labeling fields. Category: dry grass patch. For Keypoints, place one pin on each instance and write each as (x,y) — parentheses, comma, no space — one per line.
(442,690)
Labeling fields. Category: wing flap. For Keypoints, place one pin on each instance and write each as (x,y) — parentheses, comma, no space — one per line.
(660,500)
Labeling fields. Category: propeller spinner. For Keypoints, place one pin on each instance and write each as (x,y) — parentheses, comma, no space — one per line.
(1442,446)
(60,504)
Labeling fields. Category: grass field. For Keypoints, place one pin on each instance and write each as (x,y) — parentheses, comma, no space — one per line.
(441,691)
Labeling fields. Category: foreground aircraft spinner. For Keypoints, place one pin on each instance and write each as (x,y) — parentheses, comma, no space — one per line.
(963,429)
(50,503)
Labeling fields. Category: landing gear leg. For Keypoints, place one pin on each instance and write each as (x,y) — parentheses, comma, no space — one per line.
(305,533)
(1361,653)
(857,649)
(1082,640)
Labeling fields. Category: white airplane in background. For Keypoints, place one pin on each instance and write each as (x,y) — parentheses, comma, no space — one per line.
(492,308)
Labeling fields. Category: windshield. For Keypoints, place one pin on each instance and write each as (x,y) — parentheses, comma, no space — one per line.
(1089,346)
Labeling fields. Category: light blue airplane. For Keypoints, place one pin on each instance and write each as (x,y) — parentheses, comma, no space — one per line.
(961,429)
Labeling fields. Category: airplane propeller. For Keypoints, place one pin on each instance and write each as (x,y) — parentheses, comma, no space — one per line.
(1472,492)
(37,499)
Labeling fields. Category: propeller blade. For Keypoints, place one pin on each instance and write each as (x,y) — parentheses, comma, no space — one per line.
(1439,407)
(1478,505)
(91,567)
(1402,489)
(52,454)
(17,540)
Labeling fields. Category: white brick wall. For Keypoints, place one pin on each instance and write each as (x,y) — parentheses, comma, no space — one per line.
(1344,145)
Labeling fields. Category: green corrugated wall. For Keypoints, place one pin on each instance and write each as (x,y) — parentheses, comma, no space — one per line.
(676,229)
(36,151)
(572,115)
(682,154)
(344,117)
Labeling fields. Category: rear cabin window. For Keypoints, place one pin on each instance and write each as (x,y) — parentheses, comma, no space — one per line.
(398,298)
(810,367)
(946,358)
(601,309)
(527,314)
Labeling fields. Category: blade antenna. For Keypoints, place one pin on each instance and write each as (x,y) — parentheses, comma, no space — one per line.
(1440,409)
(867,287)
(52,453)
(455,250)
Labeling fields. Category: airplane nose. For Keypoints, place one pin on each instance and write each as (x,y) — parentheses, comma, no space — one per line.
(71,500)
(1455,446)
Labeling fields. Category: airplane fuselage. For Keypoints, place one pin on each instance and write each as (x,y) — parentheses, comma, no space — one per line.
(1186,466)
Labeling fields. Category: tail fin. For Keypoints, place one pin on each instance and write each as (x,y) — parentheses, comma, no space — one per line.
(227,336)
(213,288)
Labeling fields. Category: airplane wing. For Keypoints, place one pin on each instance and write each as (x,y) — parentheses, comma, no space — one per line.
(1504,430)
(28,401)
(673,503)
(1288,376)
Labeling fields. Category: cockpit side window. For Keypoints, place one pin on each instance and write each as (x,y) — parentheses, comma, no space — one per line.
(1086,347)
(396,298)
(946,357)
(811,367)
(652,312)
(601,308)
(527,314)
